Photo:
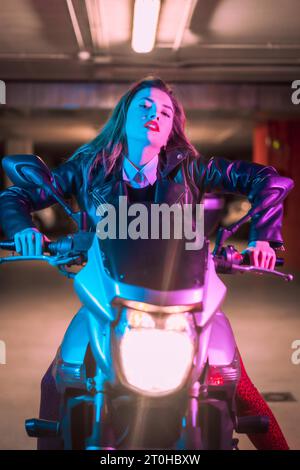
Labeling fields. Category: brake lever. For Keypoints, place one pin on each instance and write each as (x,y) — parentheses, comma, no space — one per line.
(254,269)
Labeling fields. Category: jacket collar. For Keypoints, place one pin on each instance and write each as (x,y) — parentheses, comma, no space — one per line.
(148,171)
(169,160)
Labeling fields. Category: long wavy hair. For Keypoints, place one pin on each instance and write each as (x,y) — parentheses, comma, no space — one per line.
(110,145)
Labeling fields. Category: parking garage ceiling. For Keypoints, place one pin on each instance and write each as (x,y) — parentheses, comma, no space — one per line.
(232,40)
(66,62)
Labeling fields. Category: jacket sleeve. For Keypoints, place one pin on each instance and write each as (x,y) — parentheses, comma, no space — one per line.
(263,186)
(17,204)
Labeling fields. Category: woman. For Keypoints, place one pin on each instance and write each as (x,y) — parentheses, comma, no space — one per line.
(142,152)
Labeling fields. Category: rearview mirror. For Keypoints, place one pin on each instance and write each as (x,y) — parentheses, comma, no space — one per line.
(26,171)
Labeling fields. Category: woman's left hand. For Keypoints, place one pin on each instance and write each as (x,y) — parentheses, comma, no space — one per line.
(261,254)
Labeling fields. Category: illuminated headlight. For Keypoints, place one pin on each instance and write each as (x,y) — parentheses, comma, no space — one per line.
(177,322)
(155,360)
(137,319)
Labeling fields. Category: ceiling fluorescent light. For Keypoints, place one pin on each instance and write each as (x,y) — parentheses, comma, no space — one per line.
(145,19)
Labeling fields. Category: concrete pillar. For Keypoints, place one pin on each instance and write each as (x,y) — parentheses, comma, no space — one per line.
(277,143)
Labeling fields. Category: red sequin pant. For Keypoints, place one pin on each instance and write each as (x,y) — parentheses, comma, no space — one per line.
(251,403)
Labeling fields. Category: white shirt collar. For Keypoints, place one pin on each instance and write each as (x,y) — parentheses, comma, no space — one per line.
(149,171)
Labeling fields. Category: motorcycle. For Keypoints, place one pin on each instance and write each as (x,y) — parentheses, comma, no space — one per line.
(150,360)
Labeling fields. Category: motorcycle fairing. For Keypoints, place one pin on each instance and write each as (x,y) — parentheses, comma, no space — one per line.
(214,292)
(69,370)
(222,345)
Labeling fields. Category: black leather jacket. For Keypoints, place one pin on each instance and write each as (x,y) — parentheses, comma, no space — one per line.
(181,178)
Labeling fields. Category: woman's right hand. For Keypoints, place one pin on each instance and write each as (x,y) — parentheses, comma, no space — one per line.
(30,242)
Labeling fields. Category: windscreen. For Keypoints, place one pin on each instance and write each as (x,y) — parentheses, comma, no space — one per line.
(155,264)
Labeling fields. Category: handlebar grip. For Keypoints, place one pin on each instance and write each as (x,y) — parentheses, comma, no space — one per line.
(9,245)
(246,260)
(78,242)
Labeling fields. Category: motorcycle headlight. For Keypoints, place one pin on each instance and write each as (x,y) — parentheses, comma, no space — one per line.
(156,352)
(177,322)
(138,319)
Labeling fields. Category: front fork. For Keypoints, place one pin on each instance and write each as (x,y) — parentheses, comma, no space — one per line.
(84,417)
(210,420)
(84,424)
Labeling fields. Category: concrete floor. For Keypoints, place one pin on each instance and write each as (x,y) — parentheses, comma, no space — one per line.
(37,304)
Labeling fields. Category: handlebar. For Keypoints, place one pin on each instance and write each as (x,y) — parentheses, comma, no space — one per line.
(78,242)
(49,247)
(230,261)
